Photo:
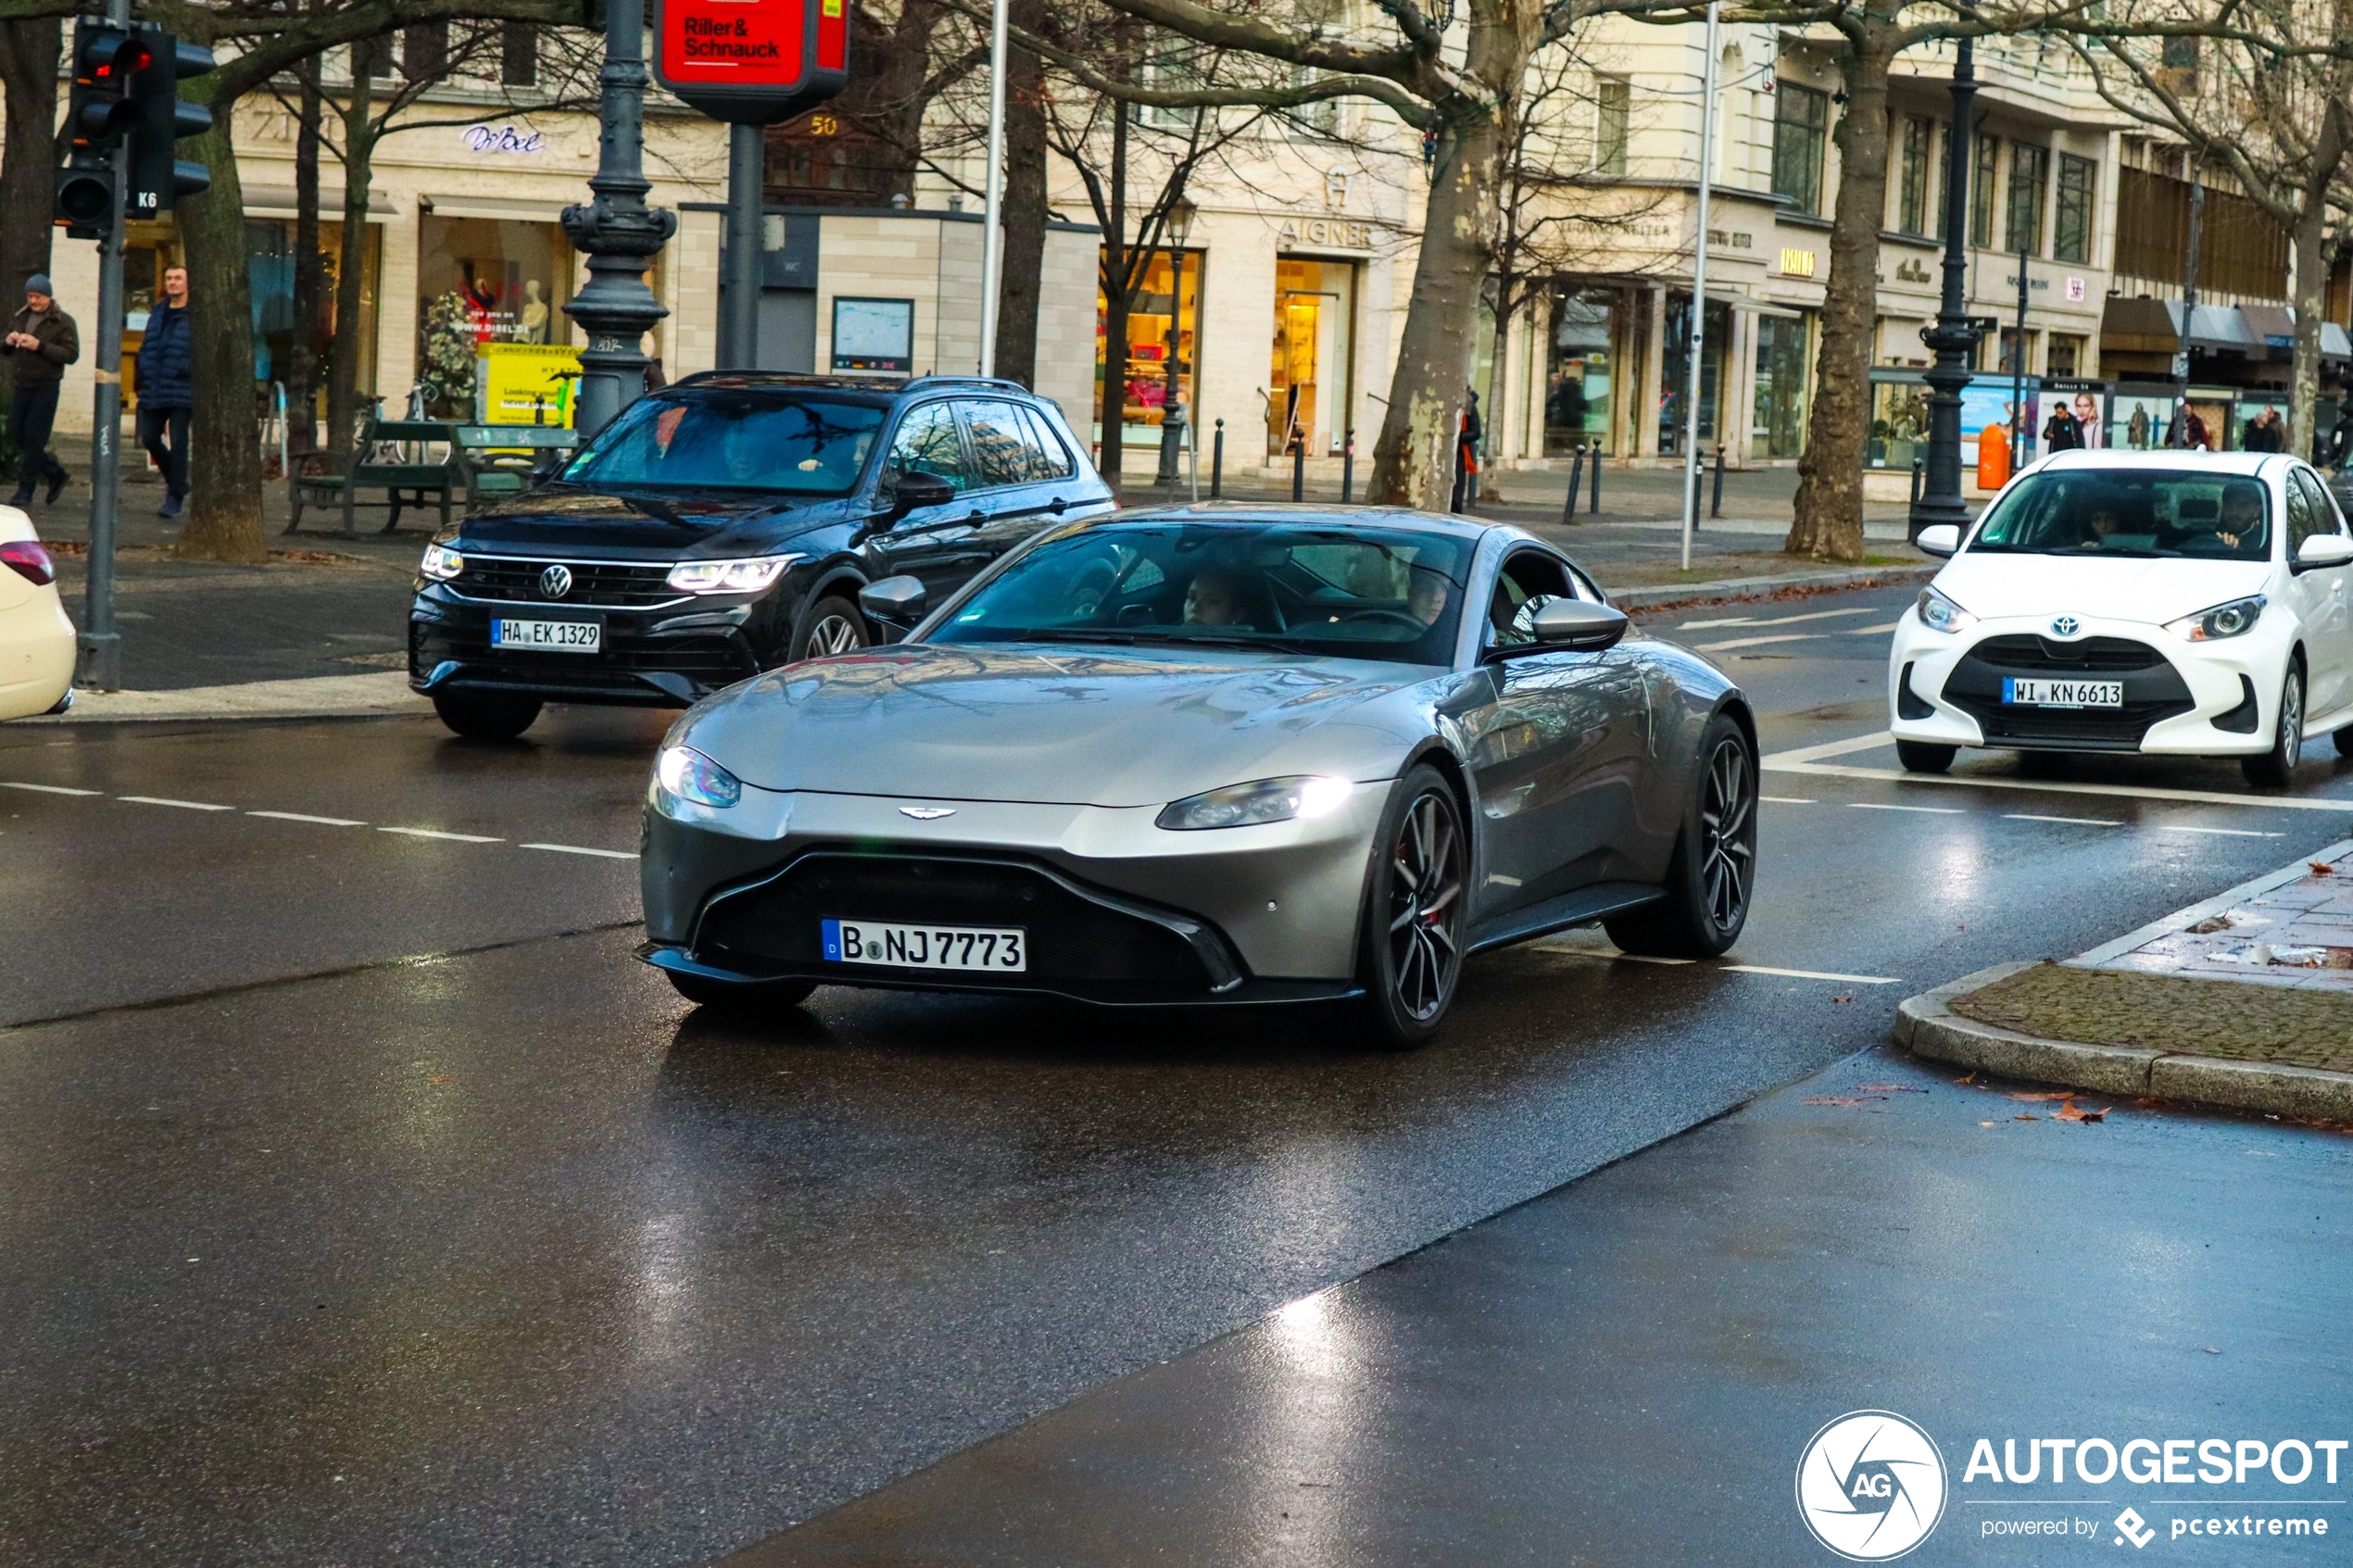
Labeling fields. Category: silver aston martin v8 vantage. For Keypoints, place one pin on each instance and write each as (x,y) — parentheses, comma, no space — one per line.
(1208,754)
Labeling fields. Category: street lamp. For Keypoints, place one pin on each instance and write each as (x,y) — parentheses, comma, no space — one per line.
(1953,337)
(1180,223)
(1176,222)
(618,233)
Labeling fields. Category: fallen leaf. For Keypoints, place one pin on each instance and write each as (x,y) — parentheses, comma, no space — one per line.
(1842,998)
(2023,1116)
(2069,1113)
(2031,1096)
(441,1078)
(2320,868)
(1841,1099)
(1967,1078)
(1890,1090)
(2153,1102)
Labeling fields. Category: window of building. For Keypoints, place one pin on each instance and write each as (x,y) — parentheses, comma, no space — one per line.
(2029,183)
(1313,355)
(1577,372)
(518,55)
(1715,338)
(424,50)
(1980,191)
(2078,185)
(1778,419)
(1800,129)
(1912,210)
(822,159)
(1162,314)
(372,57)
(1612,100)
(2066,356)
(2009,365)
(1168,70)
(481,281)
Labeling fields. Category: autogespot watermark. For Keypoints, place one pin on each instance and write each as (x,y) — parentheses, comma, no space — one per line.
(1871,1485)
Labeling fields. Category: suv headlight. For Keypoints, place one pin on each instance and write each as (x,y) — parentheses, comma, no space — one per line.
(689,775)
(751,576)
(1940,614)
(441,563)
(2233,619)
(1245,805)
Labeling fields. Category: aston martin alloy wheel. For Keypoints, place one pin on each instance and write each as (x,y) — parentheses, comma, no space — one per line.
(2276,768)
(834,627)
(1413,921)
(1713,876)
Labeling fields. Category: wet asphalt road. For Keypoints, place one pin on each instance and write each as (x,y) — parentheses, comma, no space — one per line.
(366,1202)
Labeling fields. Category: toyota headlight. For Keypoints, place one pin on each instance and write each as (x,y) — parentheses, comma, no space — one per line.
(751,576)
(1245,805)
(689,775)
(1940,614)
(441,563)
(2233,619)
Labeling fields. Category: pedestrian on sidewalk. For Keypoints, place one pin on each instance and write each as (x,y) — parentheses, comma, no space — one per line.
(167,389)
(42,342)
(1466,439)
(2060,432)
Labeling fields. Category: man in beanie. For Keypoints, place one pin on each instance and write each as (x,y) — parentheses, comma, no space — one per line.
(166,372)
(40,342)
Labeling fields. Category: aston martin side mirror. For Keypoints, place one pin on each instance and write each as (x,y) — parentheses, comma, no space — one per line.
(1579,625)
(1939,539)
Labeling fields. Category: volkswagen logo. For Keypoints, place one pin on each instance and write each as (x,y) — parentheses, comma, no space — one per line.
(2066,626)
(928,813)
(556,582)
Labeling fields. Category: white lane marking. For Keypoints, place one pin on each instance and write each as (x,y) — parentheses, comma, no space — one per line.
(183,805)
(1775,620)
(1757,641)
(1932,811)
(1788,799)
(2072,821)
(2047,786)
(1570,952)
(1872,630)
(582,850)
(47,789)
(1812,974)
(306,817)
(2219,832)
(453,837)
(1827,748)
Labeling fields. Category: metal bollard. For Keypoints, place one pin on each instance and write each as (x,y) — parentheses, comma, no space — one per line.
(1919,471)
(1299,469)
(1716,501)
(1218,462)
(1596,505)
(1347,468)
(1576,483)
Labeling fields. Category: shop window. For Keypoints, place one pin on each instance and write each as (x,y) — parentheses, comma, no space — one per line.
(1578,366)
(1778,421)
(2066,355)
(1980,192)
(1163,316)
(1801,130)
(2030,181)
(1310,391)
(2078,185)
(1675,371)
(1911,206)
(1899,425)
(482,281)
(1613,101)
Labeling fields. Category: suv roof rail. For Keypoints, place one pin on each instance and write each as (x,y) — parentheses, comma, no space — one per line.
(1001,382)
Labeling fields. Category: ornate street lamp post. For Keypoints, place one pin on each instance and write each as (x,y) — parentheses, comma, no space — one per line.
(1953,338)
(618,233)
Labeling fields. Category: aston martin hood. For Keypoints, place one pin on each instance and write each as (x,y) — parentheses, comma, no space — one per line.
(1990,585)
(1081,727)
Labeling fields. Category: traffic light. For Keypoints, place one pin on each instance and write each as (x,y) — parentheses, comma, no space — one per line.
(157,177)
(99,112)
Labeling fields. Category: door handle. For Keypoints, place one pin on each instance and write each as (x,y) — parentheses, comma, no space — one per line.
(1058,505)
(976,517)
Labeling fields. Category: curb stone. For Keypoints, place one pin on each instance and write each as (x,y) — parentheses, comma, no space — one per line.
(1926,1026)
(1676,595)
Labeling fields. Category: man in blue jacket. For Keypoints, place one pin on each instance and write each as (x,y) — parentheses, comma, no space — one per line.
(167,393)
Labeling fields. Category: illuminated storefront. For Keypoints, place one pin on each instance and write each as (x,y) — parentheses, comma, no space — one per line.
(1163,346)
(1311,374)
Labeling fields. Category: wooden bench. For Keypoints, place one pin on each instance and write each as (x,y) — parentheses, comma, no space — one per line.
(502,460)
(390,456)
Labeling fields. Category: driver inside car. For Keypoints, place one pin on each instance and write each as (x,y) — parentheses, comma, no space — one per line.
(2241,514)
(1216,597)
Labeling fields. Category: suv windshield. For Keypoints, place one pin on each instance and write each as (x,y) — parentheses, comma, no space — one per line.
(715,439)
(1346,593)
(2131,512)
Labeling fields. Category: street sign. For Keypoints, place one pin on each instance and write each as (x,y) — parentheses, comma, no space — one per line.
(752,62)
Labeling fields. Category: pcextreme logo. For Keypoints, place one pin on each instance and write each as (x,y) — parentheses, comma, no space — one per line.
(1870,1486)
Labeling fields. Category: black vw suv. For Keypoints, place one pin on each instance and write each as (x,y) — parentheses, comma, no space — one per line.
(723,526)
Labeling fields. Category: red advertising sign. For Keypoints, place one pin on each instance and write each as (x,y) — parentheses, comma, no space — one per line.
(754,61)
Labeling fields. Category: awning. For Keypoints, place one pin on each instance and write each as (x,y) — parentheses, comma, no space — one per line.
(511,210)
(2221,326)
(2140,326)
(2335,343)
(278,201)
(2272,325)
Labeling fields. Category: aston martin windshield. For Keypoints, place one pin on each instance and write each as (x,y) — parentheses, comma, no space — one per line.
(2131,512)
(1347,592)
(731,439)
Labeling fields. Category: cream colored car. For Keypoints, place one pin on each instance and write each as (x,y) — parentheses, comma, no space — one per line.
(36,640)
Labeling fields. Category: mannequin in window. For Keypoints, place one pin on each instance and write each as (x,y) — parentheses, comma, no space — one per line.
(535,313)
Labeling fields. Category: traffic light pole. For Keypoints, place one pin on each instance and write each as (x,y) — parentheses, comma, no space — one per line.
(101,643)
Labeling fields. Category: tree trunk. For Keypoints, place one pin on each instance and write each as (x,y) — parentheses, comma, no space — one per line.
(1117,278)
(1413,461)
(2309,237)
(891,100)
(1024,259)
(343,377)
(29,52)
(224,518)
(309,279)
(1828,525)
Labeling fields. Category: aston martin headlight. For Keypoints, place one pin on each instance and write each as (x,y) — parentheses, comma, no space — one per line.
(2233,619)
(1245,805)
(441,563)
(1940,614)
(689,775)
(751,576)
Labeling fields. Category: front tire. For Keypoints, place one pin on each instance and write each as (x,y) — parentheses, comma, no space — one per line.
(1925,757)
(1713,876)
(2343,739)
(1411,946)
(724,995)
(2276,768)
(486,715)
(833,626)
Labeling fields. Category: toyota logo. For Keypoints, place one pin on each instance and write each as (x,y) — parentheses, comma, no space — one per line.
(556,582)
(2064,626)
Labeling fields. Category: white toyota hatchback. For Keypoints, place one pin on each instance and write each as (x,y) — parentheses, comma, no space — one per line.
(2172,603)
(36,640)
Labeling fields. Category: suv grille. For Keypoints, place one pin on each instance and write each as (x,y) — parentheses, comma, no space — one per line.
(2108,654)
(618,585)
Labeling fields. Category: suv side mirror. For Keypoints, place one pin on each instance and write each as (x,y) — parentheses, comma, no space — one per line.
(913,491)
(1939,539)
(897,602)
(2324,549)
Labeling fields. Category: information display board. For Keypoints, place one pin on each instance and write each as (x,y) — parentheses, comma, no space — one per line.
(752,62)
